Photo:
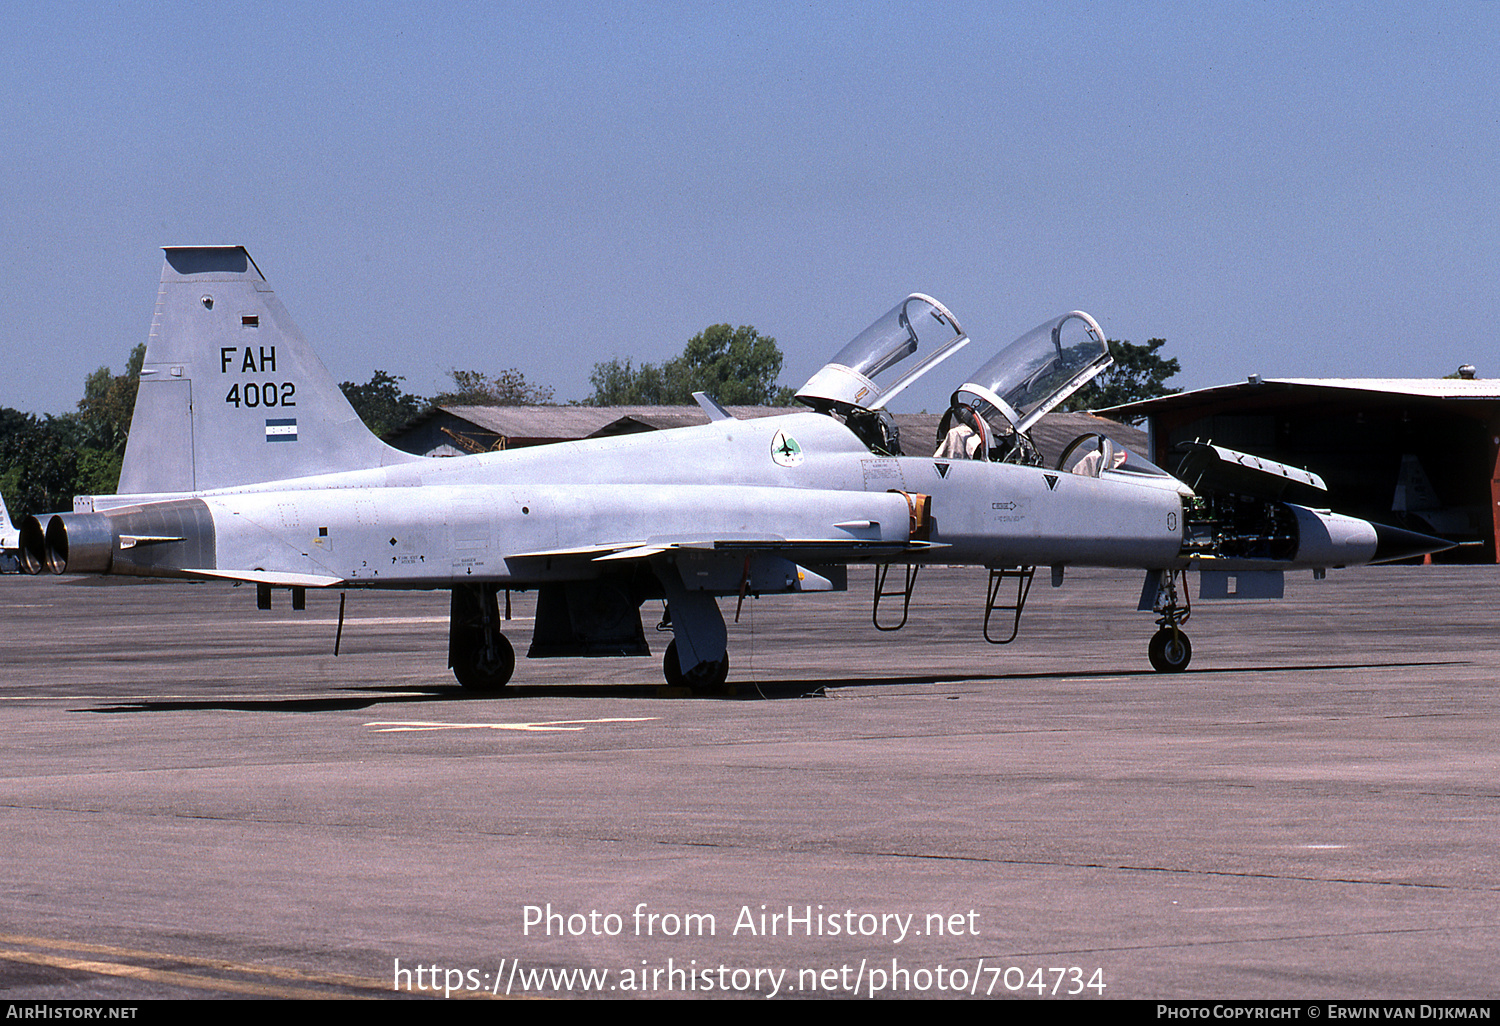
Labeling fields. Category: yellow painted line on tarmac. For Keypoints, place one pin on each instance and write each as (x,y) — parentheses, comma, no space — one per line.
(164,976)
(51,955)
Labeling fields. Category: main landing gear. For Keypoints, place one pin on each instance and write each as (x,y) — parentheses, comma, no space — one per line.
(481,657)
(698,656)
(1170,650)
(700,628)
(704,677)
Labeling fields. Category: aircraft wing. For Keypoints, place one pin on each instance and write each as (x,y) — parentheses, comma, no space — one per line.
(817,551)
(274,578)
(725,566)
(811,550)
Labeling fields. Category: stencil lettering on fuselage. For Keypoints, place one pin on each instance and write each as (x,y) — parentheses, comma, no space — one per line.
(469,523)
(1008,511)
(882,475)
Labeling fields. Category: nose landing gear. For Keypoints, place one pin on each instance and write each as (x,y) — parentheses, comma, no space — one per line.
(1170,651)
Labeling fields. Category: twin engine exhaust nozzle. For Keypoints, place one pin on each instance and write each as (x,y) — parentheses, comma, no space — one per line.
(70,543)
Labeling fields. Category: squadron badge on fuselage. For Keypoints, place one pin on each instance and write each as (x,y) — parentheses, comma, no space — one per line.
(785,450)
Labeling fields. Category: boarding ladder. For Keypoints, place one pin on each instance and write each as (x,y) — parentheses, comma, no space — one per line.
(1022,575)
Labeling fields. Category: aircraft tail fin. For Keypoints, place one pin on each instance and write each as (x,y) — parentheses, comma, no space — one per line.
(230,392)
(1414,491)
(7,529)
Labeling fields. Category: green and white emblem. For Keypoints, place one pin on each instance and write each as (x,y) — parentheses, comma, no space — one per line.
(785,450)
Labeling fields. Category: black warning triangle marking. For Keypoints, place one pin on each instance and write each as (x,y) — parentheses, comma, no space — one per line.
(1051,482)
(942,469)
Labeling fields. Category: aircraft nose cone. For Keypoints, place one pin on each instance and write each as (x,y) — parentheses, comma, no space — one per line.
(1393,543)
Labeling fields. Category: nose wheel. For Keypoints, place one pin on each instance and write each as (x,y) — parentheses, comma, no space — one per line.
(1170,650)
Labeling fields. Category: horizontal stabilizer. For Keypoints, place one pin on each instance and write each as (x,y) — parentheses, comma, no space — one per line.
(130,541)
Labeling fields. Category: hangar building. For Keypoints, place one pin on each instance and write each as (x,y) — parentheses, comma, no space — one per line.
(1420,453)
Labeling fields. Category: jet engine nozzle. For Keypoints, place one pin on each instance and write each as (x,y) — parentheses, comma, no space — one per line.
(79,543)
(32,546)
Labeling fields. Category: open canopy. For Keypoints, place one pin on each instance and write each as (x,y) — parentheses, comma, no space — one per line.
(881,361)
(1037,371)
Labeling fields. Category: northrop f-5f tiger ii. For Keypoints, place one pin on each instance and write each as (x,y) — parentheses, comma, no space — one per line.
(245,463)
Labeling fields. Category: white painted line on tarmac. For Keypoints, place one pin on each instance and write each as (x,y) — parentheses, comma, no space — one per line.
(396,726)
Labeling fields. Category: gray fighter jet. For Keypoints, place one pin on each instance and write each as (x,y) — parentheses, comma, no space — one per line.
(246,463)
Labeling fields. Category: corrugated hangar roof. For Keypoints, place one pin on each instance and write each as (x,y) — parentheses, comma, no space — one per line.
(583,421)
(1426,388)
(1436,388)
(534,424)
(450,430)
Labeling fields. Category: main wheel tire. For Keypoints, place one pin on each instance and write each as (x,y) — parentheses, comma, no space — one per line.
(703,676)
(1170,651)
(478,673)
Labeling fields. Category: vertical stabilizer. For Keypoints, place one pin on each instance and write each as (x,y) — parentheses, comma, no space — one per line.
(1414,491)
(8,530)
(231,393)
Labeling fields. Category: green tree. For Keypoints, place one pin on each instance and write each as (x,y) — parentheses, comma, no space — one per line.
(381,403)
(737,366)
(45,461)
(508,388)
(38,463)
(619,383)
(108,402)
(1139,372)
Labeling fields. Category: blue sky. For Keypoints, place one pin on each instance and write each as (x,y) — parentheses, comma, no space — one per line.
(1275,188)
